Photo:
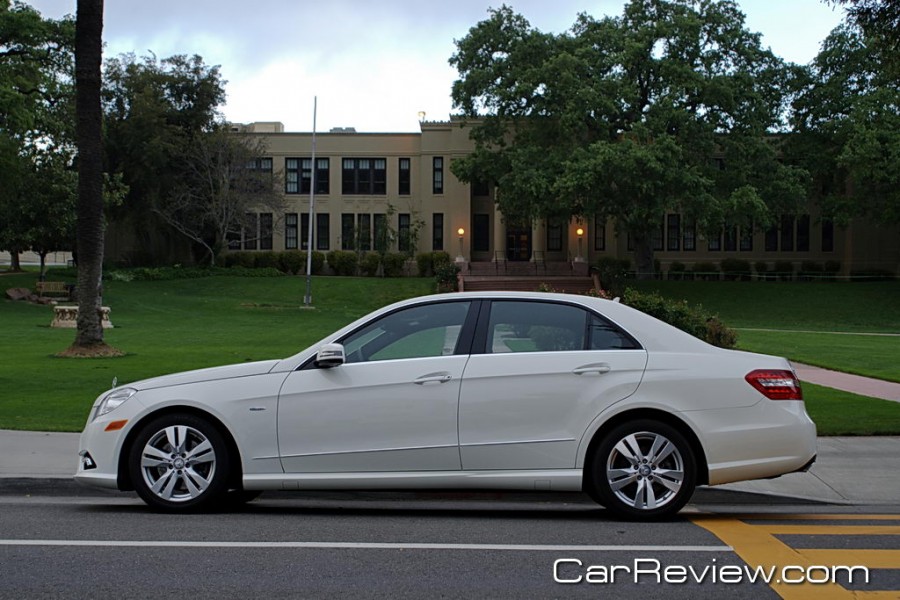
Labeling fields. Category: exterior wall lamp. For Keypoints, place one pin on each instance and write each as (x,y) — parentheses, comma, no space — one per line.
(461,232)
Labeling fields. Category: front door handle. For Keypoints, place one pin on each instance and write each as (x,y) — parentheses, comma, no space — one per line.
(433,378)
(596,369)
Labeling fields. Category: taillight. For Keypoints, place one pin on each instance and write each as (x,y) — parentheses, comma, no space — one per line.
(775,384)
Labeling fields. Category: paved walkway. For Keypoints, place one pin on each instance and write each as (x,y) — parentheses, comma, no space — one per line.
(855,384)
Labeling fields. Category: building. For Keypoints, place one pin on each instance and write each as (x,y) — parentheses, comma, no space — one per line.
(360,176)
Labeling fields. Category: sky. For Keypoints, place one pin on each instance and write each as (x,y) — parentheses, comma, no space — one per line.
(372,65)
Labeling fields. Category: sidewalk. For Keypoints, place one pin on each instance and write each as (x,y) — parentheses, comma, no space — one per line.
(855,384)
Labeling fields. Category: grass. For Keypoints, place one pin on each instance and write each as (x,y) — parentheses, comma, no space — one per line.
(841,413)
(169,326)
(799,310)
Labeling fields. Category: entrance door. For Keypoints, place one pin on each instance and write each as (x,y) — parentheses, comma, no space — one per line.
(518,243)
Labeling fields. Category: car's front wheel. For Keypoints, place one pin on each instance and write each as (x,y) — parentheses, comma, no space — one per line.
(179,463)
(644,469)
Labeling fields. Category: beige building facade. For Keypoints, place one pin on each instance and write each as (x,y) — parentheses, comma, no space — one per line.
(362,179)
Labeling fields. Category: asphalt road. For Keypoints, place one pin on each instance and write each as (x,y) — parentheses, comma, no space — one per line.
(69,544)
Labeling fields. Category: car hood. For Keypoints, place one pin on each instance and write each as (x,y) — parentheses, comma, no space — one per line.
(210,374)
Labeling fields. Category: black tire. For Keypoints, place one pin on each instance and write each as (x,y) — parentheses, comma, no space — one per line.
(179,463)
(643,470)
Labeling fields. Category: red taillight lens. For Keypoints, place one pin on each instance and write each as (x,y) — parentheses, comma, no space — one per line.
(776,385)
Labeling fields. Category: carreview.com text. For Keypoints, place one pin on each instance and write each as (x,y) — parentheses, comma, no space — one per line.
(644,570)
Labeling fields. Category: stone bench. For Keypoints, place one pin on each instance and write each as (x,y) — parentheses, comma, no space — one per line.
(67,317)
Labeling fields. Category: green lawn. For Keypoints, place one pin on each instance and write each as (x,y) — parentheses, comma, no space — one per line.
(798,308)
(168,326)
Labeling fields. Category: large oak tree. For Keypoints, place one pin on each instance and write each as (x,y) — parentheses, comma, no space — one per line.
(673,106)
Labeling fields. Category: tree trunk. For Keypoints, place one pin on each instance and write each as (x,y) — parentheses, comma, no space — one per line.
(14,264)
(43,274)
(88,55)
(643,256)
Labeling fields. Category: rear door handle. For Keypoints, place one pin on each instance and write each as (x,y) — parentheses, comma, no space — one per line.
(433,378)
(596,369)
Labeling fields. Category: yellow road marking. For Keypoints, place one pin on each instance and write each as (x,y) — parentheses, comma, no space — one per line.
(831,529)
(815,517)
(757,546)
(874,559)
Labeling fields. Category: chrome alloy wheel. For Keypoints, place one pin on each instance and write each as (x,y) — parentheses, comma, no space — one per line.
(645,470)
(178,463)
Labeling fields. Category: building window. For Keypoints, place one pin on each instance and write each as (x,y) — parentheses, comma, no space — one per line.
(364,232)
(323,231)
(731,235)
(438,175)
(656,238)
(234,240)
(265,231)
(260,165)
(348,232)
(787,233)
(747,239)
(403,229)
(404,177)
(714,242)
(298,172)
(827,235)
(437,231)
(481,233)
(382,234)
(803,233)
(554,235)
(364,176)
(600,233)
(673,235)
(689,235)
(290,231)
(250,231)
(304,231)
(772,239)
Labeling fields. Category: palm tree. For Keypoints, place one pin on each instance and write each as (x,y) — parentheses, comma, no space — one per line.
(88,56)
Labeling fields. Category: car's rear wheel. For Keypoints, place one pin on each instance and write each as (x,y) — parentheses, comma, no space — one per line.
(643,470)
(179,463)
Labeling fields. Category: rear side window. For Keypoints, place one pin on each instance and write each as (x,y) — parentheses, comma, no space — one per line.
(606,336)
(535,327)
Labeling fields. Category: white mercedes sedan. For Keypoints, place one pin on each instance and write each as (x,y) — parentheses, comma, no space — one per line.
(481,391)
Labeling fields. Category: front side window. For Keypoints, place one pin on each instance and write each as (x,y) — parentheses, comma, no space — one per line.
(416,332)
(290,231)
(404,177)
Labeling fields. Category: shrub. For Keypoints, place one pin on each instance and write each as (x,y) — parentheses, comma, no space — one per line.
(240,259)
(831,269)
(810,269)
(693,320)
(445,276)
(736,268)
(612,272)
(676,270)
(424,264)
(784,270)
(343,262)
(439,259)
(762,268)
(265,260)
(872,275)
(368,265)
(707,271)
(393,264)
(292,261)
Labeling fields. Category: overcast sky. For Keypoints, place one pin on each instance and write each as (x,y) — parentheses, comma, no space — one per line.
(372,64)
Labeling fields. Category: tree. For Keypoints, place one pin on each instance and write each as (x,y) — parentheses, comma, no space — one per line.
(90,223)
(848,128)
(219,185)
(671,107)
(880,21)
(154,111)
(35,114)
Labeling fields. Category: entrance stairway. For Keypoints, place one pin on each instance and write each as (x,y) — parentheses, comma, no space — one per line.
(526,277)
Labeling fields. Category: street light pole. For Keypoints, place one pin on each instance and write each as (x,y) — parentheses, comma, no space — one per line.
(307,300)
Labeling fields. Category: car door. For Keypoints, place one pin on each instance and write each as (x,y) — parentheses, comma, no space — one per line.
(540,372)
(392,406)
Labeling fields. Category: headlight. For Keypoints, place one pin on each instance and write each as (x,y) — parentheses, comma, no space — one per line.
(114,400)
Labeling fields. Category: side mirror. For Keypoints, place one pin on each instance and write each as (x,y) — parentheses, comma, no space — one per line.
(330,355)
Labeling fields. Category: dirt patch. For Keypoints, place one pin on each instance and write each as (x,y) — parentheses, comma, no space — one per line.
(92,351)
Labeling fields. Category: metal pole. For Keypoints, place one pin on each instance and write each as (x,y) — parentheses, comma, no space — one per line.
(307,300)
